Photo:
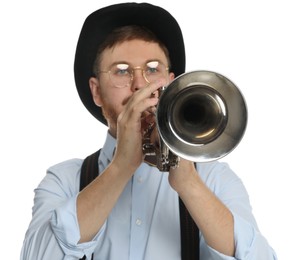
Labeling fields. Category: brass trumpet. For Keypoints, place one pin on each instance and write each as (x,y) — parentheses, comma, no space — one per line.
(201,116)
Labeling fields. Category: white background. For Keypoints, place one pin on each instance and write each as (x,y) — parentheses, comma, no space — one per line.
(254,43)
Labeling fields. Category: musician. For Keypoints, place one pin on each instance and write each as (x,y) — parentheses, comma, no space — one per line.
(125,54)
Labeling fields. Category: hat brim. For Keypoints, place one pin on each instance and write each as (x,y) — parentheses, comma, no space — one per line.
(101,22)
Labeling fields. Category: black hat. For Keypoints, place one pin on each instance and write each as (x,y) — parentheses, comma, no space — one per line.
(100,23)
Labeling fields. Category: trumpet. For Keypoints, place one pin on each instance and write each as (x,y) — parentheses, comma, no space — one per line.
(201,116)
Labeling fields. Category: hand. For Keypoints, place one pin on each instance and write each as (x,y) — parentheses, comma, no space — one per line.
(182,177)
(131,123)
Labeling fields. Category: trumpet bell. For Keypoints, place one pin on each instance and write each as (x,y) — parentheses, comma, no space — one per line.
(201,116)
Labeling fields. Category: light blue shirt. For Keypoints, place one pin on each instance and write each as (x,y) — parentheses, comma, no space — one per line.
(143,225)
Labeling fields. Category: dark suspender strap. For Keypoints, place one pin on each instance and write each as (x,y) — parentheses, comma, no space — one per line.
(189,230)
(89,169)
(189,234)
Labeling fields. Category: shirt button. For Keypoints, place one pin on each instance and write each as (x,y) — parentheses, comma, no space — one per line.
(138,222)
(139,179)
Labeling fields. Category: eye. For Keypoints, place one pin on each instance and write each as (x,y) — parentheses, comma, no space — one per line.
(152,67)
(120,70)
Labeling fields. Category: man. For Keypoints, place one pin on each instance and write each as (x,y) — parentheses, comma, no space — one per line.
(125,54)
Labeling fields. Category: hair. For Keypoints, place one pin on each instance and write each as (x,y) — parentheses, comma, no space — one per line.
(127,33)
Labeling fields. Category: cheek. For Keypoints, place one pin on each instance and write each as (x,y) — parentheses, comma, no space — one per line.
(116,98)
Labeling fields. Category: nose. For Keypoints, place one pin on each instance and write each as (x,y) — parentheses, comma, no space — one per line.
(139,80)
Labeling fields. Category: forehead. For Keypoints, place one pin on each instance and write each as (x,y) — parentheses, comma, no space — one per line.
(133,52)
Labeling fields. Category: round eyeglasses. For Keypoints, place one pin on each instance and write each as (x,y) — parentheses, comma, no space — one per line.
(122,74)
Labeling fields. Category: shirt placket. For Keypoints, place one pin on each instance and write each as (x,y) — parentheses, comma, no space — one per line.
(139,218)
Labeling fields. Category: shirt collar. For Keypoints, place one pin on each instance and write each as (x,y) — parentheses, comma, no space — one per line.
(109,146)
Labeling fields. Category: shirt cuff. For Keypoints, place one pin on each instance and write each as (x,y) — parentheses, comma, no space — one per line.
(215,255)
(244,236)
(65,227)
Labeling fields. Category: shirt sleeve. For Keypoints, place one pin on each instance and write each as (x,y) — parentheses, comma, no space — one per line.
(54,230)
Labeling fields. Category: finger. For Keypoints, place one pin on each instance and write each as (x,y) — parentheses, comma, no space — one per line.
(149,91)
(134,112)
(141,101)
(142,104)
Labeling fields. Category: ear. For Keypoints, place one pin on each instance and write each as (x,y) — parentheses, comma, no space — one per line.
(171,76)
(95,91)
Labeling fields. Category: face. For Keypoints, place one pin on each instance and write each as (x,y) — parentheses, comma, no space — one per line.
(135,53)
